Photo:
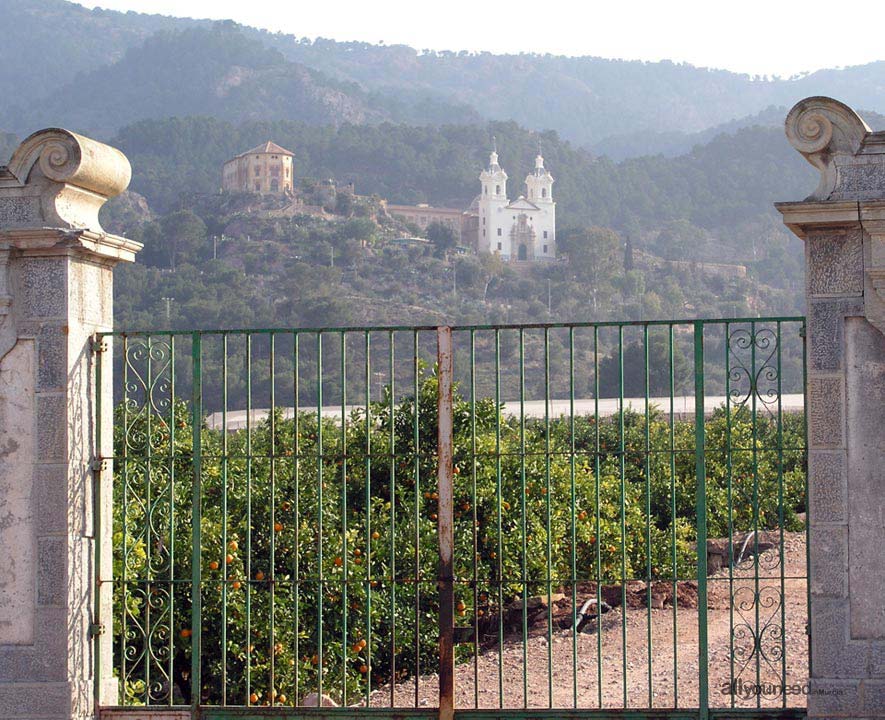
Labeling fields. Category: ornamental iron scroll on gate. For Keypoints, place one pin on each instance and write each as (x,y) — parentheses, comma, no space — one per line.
(481,521)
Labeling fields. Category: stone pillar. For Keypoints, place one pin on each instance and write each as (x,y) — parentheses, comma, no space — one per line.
(55,292)
(843,226)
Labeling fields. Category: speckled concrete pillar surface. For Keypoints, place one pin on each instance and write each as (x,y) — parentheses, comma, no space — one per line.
(55,293)
(843,225)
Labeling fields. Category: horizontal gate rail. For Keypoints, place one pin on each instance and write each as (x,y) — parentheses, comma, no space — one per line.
(586,519)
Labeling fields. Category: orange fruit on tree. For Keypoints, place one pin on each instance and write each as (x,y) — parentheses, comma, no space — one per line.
(235,584)
(364,669)
(233,545)
(186,633)
(357,552)
(582,515)
(259,576)
(282,698)
(376,535)
(230,559)
(338,561)
(286,506)
(253,698)
(278,526)
(213,565)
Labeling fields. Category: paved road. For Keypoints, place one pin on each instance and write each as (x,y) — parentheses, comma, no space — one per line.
(683,407)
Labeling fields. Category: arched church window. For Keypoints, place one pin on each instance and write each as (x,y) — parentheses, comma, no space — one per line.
(543,192)
(523,253)
(497,189)
(499,232)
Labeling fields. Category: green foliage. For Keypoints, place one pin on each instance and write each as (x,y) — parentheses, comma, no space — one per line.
(331,525)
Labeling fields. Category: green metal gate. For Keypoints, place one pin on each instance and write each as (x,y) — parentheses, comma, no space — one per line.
(594,520)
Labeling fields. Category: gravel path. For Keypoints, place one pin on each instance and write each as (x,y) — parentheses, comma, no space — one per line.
(666,692)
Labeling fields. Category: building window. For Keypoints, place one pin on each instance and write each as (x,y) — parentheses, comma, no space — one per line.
(486,189)
(257,172)
(545,249)
(543,192)
(257,187)
(497,189)
(499,246)
(545,235)
(483,232)
(499,232)
(483,219)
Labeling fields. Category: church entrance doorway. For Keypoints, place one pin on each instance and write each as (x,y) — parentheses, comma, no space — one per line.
(522,254)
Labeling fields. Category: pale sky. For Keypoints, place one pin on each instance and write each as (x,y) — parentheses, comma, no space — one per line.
(770,37)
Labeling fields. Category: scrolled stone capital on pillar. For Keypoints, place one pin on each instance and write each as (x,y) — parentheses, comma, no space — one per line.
(843,225)
(56,292)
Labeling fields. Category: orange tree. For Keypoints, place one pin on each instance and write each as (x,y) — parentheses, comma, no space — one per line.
(317,540)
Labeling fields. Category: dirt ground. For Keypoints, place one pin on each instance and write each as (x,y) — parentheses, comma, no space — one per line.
(524,673)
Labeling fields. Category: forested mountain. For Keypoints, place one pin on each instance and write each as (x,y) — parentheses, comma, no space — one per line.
(720,187)
(59,56)
(218,71)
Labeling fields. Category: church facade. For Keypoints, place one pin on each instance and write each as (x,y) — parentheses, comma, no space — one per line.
(521,230)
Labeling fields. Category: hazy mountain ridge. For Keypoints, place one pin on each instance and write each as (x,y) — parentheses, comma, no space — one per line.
(616,107)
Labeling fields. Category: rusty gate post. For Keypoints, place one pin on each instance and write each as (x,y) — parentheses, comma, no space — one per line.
(445,526)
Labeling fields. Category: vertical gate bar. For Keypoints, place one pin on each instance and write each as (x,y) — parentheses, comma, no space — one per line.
(754,390)
(701,511)
(369,532)
(673,520)
(270,582)
(392,460)
(171,461)
(445,528)
(124,675)
(296,514)
(499,570)
(780,515)
(522,483)
(648,566)
(225,585)
(548,585)
(345,559)
(196,511)
(148,520)
(573,499)
(730,483)
(247,580)
(475,561)
(98,353)
(597,477)
(321,579)
(416,469)
(804,335)
(622,471)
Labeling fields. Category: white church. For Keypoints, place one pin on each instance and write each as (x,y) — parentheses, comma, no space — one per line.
(522,230)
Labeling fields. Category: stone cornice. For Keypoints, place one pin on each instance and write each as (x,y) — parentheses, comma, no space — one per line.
(800,216)
(58,241)
(59,179)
